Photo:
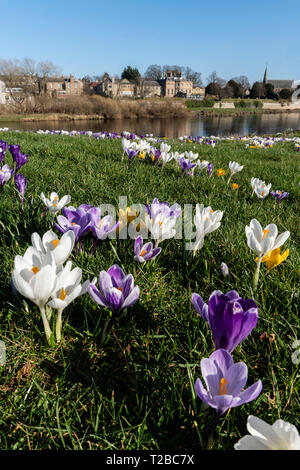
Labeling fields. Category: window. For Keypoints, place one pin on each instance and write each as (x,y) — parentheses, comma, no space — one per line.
(58,85)
(69,85)
(75,84)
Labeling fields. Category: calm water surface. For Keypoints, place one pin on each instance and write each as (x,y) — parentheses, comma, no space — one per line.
(203,125)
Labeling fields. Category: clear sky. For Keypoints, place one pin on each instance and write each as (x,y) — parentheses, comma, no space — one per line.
(233,37)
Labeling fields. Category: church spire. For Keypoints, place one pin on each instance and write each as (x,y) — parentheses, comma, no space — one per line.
(265,75)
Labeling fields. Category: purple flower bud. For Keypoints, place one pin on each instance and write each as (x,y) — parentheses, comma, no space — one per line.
(21,184)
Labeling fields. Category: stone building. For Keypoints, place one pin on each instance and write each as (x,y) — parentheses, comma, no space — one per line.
(2,93)
(62,86)
(174,83)
(116,88)
(281,84)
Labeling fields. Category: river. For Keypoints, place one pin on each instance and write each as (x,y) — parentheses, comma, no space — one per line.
(176,127)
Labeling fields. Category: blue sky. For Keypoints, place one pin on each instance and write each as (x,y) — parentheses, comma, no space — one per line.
(231,37)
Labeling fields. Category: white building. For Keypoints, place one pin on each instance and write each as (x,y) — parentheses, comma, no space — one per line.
(2,93)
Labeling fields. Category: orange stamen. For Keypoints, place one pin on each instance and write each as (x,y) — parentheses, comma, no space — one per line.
(35,269)
(223,386)
(55,243)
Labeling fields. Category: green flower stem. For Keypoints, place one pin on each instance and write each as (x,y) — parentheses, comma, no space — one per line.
(107,328)
(211,439)
(58,325)
(47,329)
(256,275)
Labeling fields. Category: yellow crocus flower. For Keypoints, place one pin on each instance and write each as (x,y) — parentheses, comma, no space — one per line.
(274,258)
(221,172)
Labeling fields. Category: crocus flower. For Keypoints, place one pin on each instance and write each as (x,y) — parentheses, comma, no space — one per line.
(79,220)
(166,157)
(262,241)
(54,204)
(224,269)
(280,435)
(279,195)
(34,277)
(187,167)
(262,190)
(274,258)
(3,148)
(144,252)
(117,293)
(235,186)
(203,164)
(131,153)
(224,382)
(125,218)
(21,184)
(206,221)
(165,147)
(234,167)
(60,249)
(230,317)
(209,169)
(5,174)
(68,288)
(221,172)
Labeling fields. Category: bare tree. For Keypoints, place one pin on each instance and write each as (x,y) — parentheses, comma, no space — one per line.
(213,78)
(243,81)
(193,76)
(153,72)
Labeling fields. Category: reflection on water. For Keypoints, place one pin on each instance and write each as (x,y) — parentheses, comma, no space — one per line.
(202,125)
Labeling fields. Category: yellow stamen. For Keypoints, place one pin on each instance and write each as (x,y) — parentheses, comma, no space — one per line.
(55,201)
(63,294)
(35,269)
(223,386)
(55,243)
(265,231)
(160,224)
(143,252)
(73,223)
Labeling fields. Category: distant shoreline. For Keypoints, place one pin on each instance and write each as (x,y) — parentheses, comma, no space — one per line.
(96,117)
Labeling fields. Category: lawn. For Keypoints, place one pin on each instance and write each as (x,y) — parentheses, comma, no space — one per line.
(137,391)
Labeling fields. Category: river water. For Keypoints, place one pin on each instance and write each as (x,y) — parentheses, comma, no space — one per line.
(176,127)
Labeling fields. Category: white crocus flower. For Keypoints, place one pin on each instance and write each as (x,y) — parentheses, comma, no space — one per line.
(67,289)
(191,156)
(262,241)
(262,190)
(34,277)
(206,221)
(203,164)
(281,435)
(161,227)
(61,249)
(165,147)
(54,204)
(165,157)
(235,167)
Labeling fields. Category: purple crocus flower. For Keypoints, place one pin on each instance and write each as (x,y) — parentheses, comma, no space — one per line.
(19,158)
(209,169)
(79,220)
(117,290)
(230,317)
(279,195)
(3,147)
(144,252)
(162,207)
(5,174)
(21,184)
(224,382)
(186,166)
(131,153)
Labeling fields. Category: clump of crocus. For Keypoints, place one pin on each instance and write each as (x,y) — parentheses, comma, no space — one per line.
(187,167)
(117,292)
(230,317)
(21,184)
(144,252)
(40,275)
(19,158)
(262,241)
(279,195)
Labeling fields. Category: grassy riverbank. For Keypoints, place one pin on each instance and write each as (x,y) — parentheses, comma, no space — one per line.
(137,391)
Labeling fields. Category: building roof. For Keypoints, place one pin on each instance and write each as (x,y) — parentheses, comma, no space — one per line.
(281,83)
(151,83)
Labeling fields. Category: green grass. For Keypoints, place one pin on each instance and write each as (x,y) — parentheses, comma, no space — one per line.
(137,391)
